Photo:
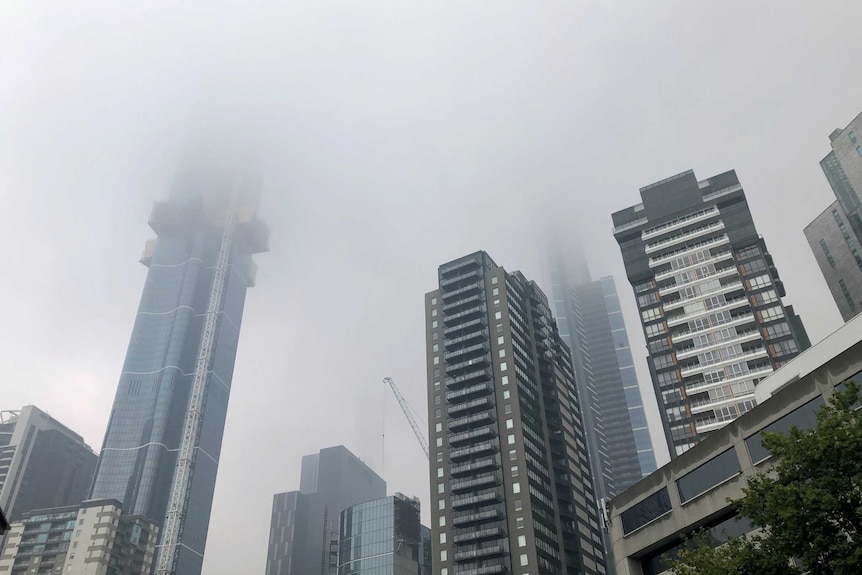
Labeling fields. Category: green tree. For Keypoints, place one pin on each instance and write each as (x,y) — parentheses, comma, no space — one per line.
(809,504)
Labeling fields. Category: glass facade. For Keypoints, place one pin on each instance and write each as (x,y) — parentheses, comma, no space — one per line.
(144,431)
(380,537)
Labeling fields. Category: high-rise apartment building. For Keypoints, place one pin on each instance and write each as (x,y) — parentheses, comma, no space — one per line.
(591,323)
(511,487)
(835,236)
(43,463)
(839,256)
(207,231)
(381,537)
(709,297)
(303,521)
(93,538)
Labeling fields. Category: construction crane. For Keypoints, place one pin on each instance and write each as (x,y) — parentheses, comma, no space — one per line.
(405,407)
(181,485)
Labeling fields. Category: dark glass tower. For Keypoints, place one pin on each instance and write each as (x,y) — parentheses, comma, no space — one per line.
(709,296)
(590,321)
(139,453)
(512,490)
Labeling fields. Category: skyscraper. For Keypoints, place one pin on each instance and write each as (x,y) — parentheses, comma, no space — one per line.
(590,321)
(839,256)
(303,521)
(43,463)
(381,537)
(835,236)
(207,232)
(709,297)
(511,490)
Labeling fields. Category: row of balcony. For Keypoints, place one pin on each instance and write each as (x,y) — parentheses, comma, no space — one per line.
(456,438)
(486,570)
(484,447)
(679,222)
(477,389)
(477,535)
(461,422)
(732,303)
(753,353)
(702,385)
(468,500)
(717,274)
(459,303)
(741,337)
(481,481)
(693,233)
(712,259)
(488,463)
(737,320)
(449,295)
(481,552)
(682,301)
(474,273)
(481,516)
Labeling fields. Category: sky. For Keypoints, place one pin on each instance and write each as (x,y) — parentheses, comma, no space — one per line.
(395,136)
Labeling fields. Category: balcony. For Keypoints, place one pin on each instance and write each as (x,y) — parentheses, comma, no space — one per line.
(450,267)
(743,337)
(469,500)
(478,389)
(486,570)
(754,353)
(714,259)
(483,481)
(474,363)
(455,382)
(488,463)
(454,342)
(727,305)
(679,223)
(726,288)
(485,416)
(458,304)
(476,404)
(472,274)
(484,447)
(466,350)
(704,405)
(722,192)
(701,386)
(696,232)
(450,295)
(477,553)
(722,273)
(630,225)
(461,315)
(477,535)
(738,320)
(482,432)
(679,252)
(474,324)
(492,515)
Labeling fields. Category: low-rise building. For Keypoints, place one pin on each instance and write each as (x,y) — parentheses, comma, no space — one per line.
(93,538)
(652,518)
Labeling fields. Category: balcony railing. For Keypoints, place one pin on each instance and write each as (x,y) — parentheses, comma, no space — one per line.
(702,386)
(716,241)
(742,337)
(477,347)
(724,272)
(476,553)
(655,246)
(679,222)
(473,483)
(464,326)
(472,450)
(475,466)
(672,305)
(630,225)
(753,353)
(472,376)
(727,305)
(491,515)
(714,259)
(461,302)
(459,278)
(476,535)
(458,502)
(467,391)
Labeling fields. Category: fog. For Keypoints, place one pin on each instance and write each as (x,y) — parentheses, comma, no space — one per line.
(395,136)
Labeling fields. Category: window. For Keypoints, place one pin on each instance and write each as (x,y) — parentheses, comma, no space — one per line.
(434,335)
(759,281)
(659,345)
(80,522)
(522,540)
(436,386)
(506,394)
(495,291)
(644,286)
(441,487)
(437,400)
(766,297)
(519,505)
(436,372)
(648,509)
(777,330)
(753,267)
(510,439)
(500,340)
(513,455)
(438,427)
(434,324)
(503,366)
(827,253)
(437,413)
(496,302)
(494,280)
(501,353)
(442,521)
(651,314)
(433,301)
(846,293)
(667,378)
(435,348)
(859,150)
(439,442)
(505,380)
(439,472)
(443,537)
(436,360)
(499,327)
(717,470)
(519,522)
(444,571)
(804,418)
(516,487)
(507,409)
(663,361)
(439,456)
(444,555)
(434,312)
(771,313)
(441,504)
(655,329)
(498,315)
(510,424)
(852,136)
(786,347)
(647,299)
(749,252)
(524,560)
(514,471)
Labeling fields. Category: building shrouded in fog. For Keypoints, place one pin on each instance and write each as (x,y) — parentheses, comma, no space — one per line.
(511,486)
(709,297)
(139,452)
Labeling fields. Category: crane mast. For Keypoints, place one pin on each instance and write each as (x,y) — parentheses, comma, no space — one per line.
(406,409)
(181,485)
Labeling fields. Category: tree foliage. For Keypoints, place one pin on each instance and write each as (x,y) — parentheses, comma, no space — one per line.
(808,504)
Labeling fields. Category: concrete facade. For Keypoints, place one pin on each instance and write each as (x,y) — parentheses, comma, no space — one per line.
(691,492)
(839,256)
